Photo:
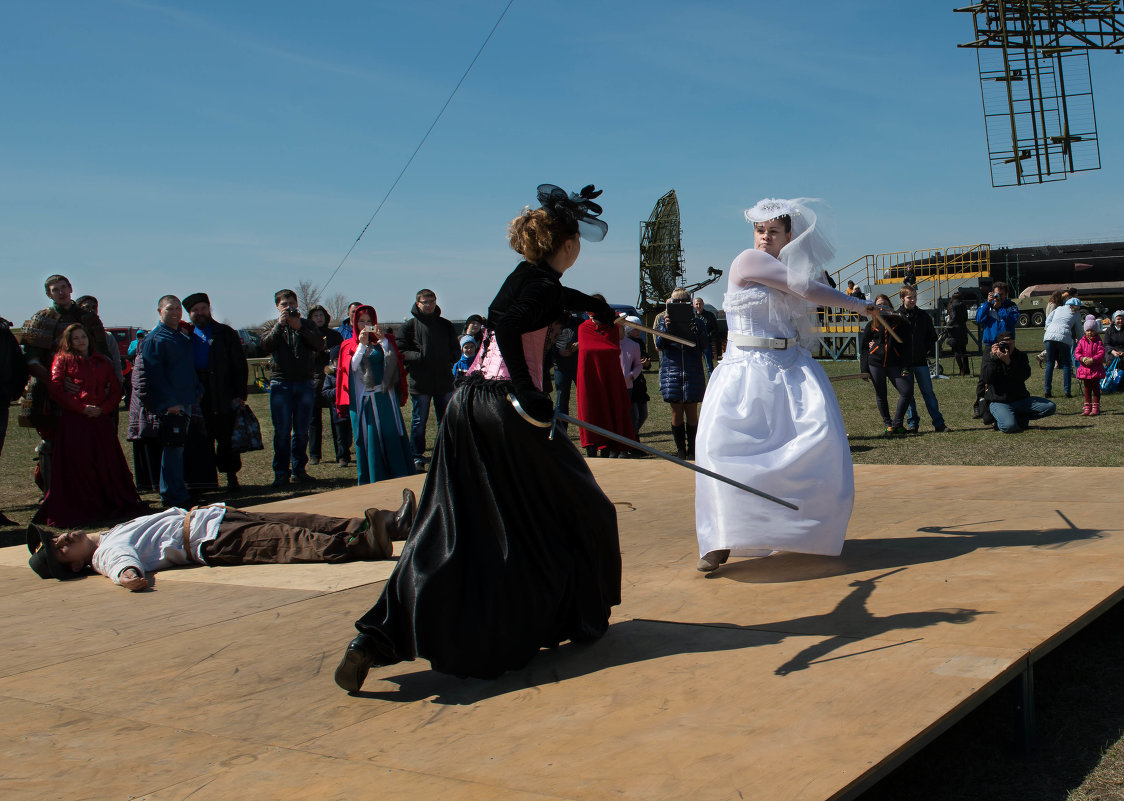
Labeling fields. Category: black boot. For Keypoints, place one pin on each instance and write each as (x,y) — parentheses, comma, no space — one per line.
(692,433)
(679,434)
(362,654)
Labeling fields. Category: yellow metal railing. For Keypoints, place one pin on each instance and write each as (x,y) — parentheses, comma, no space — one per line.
(934,271)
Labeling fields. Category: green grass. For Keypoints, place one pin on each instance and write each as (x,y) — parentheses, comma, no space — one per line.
(1080,686)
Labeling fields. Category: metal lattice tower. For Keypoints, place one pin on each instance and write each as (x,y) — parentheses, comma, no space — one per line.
(1036,84)
(661,254)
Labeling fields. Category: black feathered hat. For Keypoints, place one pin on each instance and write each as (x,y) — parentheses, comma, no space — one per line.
(577,208)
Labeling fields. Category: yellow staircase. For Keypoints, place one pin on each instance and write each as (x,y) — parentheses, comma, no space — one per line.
(937,272)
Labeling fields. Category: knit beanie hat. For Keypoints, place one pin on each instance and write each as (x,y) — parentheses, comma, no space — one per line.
(1090,323)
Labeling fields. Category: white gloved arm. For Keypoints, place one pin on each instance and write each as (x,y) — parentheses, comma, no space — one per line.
(756,266)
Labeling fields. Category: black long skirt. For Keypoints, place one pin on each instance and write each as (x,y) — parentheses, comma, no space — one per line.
(514,547)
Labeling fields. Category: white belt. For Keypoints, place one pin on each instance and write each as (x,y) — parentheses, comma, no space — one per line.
(747,341)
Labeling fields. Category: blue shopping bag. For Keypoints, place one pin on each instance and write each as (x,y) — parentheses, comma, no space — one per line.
(1112,376)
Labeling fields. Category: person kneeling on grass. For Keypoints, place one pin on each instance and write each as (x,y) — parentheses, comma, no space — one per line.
(1003,374)
(217,535)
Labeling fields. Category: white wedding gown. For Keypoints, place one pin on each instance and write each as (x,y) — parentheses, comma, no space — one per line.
(770,419)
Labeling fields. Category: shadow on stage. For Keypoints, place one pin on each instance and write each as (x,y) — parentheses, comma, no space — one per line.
(936,544)
(640,640)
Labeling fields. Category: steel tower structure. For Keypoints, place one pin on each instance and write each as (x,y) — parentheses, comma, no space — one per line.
(1036,84)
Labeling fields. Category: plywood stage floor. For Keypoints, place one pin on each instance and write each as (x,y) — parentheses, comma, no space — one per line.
(791,677)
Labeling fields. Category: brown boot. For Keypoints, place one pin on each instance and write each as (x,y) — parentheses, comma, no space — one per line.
(373,541)
(711,560)
(404,517)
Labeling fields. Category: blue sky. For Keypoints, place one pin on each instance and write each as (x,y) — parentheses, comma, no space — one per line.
(239,147)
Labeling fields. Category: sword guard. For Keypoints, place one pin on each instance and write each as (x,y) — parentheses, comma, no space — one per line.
(514,401)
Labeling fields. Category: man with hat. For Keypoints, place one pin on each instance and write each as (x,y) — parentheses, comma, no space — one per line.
(220,364)
(216,536)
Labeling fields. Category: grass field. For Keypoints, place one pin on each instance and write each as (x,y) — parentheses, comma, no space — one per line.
(1080,686)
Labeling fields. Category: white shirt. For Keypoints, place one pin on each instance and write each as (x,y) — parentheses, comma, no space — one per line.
(155,542)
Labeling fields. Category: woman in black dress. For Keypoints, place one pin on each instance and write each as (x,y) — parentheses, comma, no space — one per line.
(514,546)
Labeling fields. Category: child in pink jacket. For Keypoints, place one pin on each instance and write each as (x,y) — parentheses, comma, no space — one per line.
(1089,354)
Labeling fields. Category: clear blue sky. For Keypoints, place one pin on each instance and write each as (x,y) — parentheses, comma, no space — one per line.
(238,147)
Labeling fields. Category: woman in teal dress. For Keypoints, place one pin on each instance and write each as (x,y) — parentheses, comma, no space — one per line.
(368,379)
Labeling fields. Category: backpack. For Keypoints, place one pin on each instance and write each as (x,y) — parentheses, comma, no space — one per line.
(1113,376)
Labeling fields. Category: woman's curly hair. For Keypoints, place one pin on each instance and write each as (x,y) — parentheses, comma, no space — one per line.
(535,234)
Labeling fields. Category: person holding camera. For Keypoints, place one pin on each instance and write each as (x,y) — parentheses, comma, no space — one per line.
(1003,374)
(682,375)
(292,344)
(999,314)
(369,390)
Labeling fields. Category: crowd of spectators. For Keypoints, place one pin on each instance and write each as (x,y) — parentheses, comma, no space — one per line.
(185,380)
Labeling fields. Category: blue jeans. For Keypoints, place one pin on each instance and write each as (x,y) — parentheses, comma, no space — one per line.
(1060,353)
(924,384)
(562,384)
(1013,417)
(419,419)
(290,408)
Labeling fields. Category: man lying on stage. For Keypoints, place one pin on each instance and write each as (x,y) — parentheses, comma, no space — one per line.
(217,535)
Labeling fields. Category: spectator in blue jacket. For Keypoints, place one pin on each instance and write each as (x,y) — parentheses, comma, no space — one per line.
(999,314)
(170,387)
(345,330)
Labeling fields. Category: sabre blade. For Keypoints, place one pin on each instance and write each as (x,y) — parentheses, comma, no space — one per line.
(645,448)
(654,332)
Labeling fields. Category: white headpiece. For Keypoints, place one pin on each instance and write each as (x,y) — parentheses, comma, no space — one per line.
(769,209)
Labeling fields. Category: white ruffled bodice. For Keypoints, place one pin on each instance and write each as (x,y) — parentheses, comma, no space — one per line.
(754,311)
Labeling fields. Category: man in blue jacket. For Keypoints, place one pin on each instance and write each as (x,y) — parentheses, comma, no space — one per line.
(997,315)
(169,389)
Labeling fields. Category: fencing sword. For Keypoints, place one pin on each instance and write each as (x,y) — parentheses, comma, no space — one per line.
(654,332)
(640,447)
(878,318)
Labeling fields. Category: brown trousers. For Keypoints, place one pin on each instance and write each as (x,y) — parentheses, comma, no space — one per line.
(274,538)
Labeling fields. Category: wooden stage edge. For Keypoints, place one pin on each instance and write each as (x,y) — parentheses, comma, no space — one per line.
(789,677)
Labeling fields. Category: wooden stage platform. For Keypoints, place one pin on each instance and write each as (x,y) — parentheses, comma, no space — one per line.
(791,677)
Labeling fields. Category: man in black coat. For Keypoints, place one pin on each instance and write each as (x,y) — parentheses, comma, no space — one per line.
(1003,374)
(429,347)
(13,378)
(221,366)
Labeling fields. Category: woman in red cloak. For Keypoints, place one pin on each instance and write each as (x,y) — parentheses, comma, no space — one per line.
(602,396)
(90,480)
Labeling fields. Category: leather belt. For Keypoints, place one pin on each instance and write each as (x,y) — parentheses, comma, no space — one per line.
(187,527)
(187,532)
(747,341)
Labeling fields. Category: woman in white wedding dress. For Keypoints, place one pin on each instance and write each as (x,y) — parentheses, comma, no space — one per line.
(770,418)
